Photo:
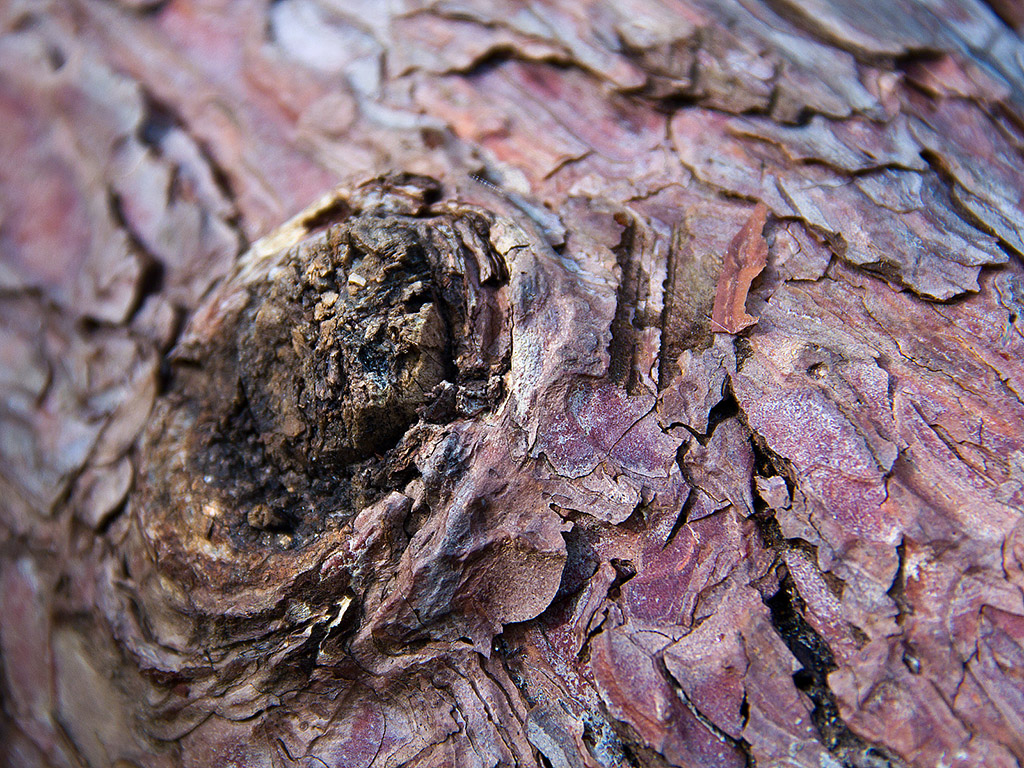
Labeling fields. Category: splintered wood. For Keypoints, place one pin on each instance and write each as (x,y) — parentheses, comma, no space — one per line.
(744,259)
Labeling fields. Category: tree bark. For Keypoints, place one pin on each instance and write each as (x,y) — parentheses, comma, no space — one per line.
(490,384)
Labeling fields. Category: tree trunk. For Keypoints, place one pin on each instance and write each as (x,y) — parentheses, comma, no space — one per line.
(636,383)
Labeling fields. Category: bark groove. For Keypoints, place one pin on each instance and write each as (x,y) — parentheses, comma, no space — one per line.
(464,464)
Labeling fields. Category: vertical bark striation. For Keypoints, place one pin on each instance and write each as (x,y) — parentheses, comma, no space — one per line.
(456,467)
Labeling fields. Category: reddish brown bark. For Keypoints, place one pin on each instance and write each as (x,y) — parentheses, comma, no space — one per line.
(743,261)
(457,466)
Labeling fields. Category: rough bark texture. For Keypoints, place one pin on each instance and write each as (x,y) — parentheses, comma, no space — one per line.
(456,467)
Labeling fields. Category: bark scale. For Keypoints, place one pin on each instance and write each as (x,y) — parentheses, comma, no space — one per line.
(455,467)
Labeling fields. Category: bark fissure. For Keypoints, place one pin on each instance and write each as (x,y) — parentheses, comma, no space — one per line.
(476,399)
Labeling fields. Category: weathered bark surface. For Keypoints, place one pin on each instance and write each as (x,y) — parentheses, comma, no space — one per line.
(457,468)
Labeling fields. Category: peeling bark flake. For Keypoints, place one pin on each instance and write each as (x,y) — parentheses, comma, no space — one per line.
(744,259)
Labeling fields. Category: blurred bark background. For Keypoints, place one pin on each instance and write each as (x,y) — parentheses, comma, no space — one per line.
(627,539)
